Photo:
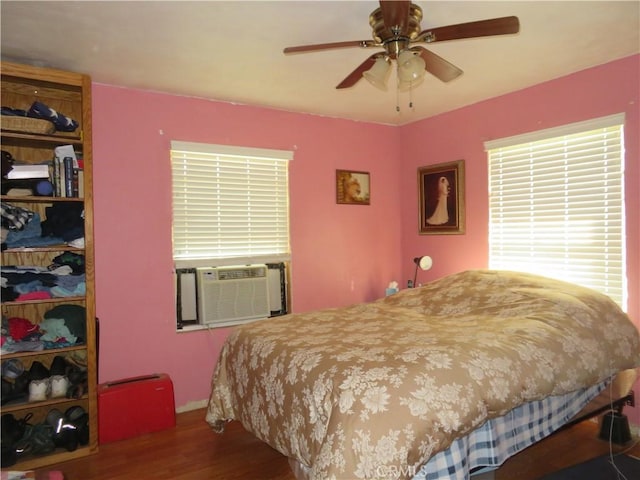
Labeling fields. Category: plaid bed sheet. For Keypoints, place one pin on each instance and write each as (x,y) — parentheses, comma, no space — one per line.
(500,438)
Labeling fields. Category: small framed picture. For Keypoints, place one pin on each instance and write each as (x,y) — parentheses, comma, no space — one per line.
(353,188)
(442,198)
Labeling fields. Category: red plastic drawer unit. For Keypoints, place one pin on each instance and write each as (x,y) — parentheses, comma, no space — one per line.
(135,406)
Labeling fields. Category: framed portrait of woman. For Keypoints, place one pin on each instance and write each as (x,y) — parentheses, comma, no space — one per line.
(441,190)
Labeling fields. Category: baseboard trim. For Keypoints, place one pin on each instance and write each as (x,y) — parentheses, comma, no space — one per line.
(195,405)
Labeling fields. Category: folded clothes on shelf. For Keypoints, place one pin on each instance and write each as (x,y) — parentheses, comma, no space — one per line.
(24,228)
(62,326)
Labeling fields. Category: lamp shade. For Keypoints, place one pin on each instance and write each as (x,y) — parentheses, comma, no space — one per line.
(379,73)
(424,263)
(406,86)
(410,66)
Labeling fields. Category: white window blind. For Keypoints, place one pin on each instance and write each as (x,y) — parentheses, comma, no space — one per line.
(556,204)
(229,202)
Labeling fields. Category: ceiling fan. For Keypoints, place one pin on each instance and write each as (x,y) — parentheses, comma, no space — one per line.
(396,28)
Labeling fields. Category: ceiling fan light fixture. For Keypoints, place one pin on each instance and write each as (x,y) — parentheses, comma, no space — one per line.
(396,28)
(378,75)
(411,66)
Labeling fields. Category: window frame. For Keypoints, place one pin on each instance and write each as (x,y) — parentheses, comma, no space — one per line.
(279,258)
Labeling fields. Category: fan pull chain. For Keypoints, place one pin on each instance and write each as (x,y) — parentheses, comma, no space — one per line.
(411,105)
(411,95)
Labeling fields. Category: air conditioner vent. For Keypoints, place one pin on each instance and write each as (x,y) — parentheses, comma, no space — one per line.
(241,273)
(229,295)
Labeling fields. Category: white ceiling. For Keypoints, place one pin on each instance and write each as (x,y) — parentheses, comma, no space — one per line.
(232,50)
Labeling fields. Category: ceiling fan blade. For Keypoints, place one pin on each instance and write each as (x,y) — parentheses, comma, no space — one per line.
(396,15)
(328,46)
(438,66)
(481,28)
(356,75)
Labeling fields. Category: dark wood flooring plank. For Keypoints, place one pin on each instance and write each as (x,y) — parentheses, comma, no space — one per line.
(192,451)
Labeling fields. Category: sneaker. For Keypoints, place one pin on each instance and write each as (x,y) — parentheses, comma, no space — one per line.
(12,428)
(38,371)
(39,390)
(64,432)
(38,440)
(12,368)
(59,381)
(40,384)
(59,386)
(80,419)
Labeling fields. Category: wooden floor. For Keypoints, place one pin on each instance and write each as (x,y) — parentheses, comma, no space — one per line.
(192,451)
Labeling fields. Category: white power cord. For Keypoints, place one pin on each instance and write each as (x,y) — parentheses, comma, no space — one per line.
(619,474)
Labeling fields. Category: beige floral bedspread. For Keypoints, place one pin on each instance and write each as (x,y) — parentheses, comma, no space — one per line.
(362,391)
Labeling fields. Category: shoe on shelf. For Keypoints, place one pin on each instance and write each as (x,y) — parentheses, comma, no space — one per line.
(15,381)
(40,382)
(37,439)
(78,417)
(59,381)
(77,382)
(38,371)
(13,429)
(12,368)
(64,433)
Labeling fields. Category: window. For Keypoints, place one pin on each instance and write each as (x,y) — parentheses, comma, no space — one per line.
(230,207)
(556,204)
(229,203)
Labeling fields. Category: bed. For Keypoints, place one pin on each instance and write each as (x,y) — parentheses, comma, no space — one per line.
(387,388)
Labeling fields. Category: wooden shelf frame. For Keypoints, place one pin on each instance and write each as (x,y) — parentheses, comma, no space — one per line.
(68,93)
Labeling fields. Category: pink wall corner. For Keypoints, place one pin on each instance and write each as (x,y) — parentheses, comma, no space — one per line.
(342,254)
(460,134)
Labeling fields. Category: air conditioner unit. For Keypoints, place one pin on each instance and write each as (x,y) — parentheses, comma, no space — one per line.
(228,295)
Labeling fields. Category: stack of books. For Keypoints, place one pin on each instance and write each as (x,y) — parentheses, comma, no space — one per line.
(61,177)
(68,176)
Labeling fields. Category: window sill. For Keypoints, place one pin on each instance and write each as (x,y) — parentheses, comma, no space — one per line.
(191,328)
(229,324)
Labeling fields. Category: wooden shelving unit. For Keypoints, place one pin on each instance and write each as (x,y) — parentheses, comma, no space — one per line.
(68,93)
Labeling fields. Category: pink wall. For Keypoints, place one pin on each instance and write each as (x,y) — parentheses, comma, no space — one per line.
(342,254)
(460,134)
